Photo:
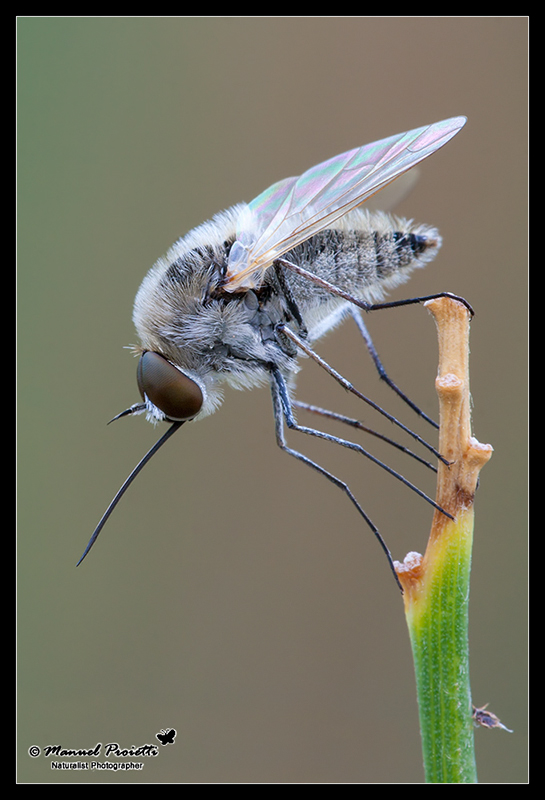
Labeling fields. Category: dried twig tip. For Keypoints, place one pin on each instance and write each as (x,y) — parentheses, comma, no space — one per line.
(456,483)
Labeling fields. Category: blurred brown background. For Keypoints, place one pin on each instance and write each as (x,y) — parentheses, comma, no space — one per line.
(235,595)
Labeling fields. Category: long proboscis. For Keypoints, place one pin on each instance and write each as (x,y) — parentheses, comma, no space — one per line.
(141,464)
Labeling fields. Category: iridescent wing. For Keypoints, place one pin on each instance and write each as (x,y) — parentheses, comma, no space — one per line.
(292,210)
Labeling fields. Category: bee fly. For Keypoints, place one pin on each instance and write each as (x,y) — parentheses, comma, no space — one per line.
(240,297)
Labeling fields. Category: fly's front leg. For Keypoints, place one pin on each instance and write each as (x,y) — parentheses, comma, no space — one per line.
(282,410)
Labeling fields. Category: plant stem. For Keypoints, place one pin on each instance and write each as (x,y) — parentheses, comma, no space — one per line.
(436,586)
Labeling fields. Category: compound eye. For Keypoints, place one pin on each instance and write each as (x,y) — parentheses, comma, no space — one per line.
(176,395)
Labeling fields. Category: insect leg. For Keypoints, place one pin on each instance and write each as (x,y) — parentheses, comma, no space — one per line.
(380,368)
(294,309)
(293,425)
(279,409)
(412,300)
(350,388)
(330,287)
(355,423)
(290,300)
(292,305)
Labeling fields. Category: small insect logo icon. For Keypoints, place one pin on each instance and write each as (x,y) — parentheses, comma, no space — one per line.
(166,736)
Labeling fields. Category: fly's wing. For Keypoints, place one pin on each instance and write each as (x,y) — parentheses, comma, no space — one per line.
(395,192)
(292,210)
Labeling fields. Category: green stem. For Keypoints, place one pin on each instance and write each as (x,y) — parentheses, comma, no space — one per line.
(437,618)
